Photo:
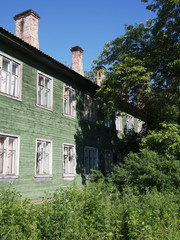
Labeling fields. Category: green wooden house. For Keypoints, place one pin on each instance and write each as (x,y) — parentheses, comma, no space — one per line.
(49,136)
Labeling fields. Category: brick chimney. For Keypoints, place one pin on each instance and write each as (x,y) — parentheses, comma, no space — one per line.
(100,74)
(77,62)
(27,27)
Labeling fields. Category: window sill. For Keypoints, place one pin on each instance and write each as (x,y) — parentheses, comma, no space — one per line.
(12,97)
(45,108)
(42,178)
(68,116)
(69,176)
(8,178)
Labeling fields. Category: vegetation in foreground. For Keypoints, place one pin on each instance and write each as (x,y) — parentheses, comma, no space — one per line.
(98,211)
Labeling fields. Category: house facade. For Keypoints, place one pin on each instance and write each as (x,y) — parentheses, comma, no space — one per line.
(49,136)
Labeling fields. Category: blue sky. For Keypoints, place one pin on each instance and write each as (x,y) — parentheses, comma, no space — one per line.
(67,23)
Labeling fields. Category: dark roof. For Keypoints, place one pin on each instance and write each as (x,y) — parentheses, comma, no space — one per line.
(41,56)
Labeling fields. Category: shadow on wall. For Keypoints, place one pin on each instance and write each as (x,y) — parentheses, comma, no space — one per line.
(92,135)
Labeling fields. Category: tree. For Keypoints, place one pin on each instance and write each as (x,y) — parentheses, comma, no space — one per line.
(143,67)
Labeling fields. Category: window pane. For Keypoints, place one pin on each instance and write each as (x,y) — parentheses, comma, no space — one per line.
(14,86)
(66,158)
(47,83)
(5,76)
(71,160)
(6,65)
(47,92)
(46,163)
(40,95)
(47,98)
(5,82)
(15,69)
(11,157)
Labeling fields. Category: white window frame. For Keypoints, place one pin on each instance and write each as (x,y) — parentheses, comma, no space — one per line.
(69,175)
(129,123)
(90,109)
(118,122)
(70,111)
(43,105)
(49,174)
(15,162)
(19,76)
(90,163)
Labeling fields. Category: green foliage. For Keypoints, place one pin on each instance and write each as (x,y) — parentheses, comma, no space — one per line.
(90,75)
(96,212)
(17,217)
(165,141)
(147,169)
(144,64)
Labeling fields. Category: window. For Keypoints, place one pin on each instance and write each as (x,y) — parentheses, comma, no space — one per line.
(45,85)
(139,125)
(90,108)
(69,101)
(129,123)
(10,77)
(108,157)
(118,122)
(69,161)
(9,157)
(43,158)
(90,159)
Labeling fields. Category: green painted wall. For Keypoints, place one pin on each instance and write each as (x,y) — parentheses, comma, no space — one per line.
(29,121)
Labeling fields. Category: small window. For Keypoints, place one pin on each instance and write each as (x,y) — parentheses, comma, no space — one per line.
(118,122)
(129,123)
(9,157)
(44,98)
(90,159)
(69,161)
(43,158)
(90,109)
(10,77)
(69,101)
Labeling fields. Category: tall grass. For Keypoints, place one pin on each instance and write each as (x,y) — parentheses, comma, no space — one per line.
(99,211)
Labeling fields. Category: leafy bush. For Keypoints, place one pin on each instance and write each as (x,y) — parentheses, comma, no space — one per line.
(98,211)
(165,141)
(147,169)
(17,217)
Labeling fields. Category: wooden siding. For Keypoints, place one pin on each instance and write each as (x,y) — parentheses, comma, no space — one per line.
(26,119)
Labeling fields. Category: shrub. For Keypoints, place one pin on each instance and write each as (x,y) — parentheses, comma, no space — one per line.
(98,211)
(147,169)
